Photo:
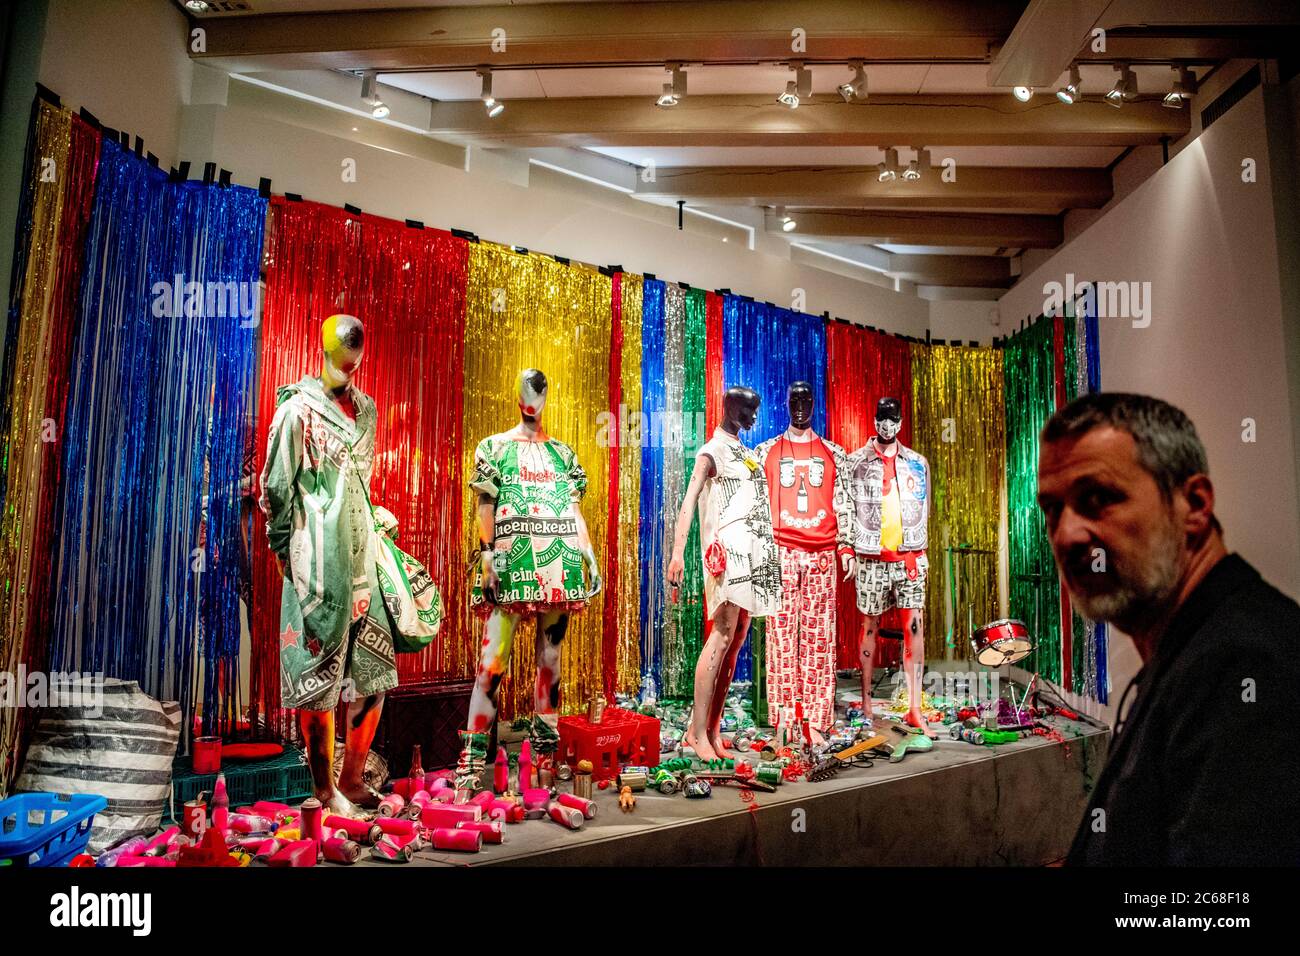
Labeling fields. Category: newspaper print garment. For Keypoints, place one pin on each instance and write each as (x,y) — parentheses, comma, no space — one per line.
(735,515)
(537,486)
(340,571)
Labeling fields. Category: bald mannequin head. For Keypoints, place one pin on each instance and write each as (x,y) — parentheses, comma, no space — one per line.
(342,342)
(739,409)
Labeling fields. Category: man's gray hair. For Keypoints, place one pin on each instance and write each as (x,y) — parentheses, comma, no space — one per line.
(1167,444)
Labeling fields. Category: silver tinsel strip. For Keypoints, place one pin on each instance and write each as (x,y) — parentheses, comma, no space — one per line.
(674,466)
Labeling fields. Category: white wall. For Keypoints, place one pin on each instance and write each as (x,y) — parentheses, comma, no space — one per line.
(1215,346)
(124,60)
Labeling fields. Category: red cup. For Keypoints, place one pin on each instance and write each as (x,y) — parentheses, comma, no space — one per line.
(207,754)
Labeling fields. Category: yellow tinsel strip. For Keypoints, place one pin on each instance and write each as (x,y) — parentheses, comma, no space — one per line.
(957,394)
(529,311)
(23,444)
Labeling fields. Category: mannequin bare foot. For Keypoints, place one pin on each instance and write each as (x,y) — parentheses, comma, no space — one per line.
(340,805)
(817,738)
(703,750)
(360,795)
(914,719)
(720,747)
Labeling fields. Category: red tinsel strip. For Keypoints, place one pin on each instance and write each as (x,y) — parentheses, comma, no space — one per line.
(408,286)
(609,633)
(712,363)
(862,367)
(1067,614)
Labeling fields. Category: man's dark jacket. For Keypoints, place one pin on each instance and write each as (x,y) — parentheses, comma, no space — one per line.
(1205,769)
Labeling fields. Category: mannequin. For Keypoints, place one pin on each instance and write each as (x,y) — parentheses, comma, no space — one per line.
(347,596)
(533,547)
(890,489)
(812,519)
(742,571)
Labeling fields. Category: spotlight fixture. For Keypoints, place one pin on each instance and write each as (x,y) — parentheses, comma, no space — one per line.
(1183,89)
(787,221)
(493,105)
(918,165)
(1022,93)
(1069,93)
(1125,87)
(370,95)
(675,89)
(800,88)
(197,6)
(855,88)
(887,171)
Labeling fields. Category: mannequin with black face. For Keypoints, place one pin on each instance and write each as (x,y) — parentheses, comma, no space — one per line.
(891,496)
(742,574)
(812,517)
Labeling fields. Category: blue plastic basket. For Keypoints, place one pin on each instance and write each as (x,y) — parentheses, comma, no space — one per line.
(46,829)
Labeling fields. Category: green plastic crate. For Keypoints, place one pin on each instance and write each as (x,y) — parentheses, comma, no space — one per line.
(283,779)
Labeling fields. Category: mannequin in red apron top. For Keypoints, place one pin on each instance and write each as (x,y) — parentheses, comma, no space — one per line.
(890,488)
(742,571)
(812,519)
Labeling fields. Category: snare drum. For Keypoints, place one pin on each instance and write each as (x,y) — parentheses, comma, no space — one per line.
(1001,642)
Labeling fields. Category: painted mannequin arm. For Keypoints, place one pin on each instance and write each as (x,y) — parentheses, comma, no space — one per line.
(844,512)
(589,552)
(487,509)
(704,470)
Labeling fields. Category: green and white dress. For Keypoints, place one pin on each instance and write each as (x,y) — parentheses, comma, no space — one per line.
(537,486)
(320,523)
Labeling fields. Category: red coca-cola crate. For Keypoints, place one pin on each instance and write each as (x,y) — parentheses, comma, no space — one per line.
(621,738)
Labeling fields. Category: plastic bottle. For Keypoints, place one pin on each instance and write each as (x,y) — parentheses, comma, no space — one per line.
(220,805)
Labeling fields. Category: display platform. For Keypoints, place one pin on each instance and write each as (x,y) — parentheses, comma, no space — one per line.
(1015,804)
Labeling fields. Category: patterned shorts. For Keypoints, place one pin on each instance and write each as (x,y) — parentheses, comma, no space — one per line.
(882,585)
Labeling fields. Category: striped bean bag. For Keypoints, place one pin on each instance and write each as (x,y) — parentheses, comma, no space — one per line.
(119,745)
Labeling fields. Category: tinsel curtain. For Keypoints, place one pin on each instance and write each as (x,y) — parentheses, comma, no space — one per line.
(959,428)
(54,210)
(157,423)
(862,366)
(627,599)
(522,311)
(1034,592)
(1053,361)
(656,513)
(407,285)
(621,635)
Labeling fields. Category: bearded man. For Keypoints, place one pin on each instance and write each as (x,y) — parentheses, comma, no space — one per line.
(1203,767)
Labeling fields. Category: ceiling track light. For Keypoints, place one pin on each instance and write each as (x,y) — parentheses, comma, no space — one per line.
(787,222)
(1022,93)
(887,171)
(675,89)
(1125,87)
(1069,93)
(493,105)
(370,94)
(196,6)
(1183,89)
(917,167)
(856,88)
(800,88)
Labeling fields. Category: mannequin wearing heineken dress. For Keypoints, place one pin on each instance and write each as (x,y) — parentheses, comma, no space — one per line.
(534,548)
(351,600)
(742,577)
